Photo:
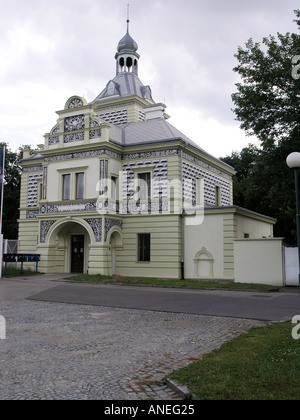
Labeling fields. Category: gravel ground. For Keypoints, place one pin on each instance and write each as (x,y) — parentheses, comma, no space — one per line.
(66,351)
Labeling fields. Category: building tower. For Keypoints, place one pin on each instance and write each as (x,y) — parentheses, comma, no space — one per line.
(126,82)
(127,56)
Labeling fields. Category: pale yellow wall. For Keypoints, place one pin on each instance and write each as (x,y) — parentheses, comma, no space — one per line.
(99,260)
(217,233)
(253,227)
(23,192)
(229,234)
(236,225)
(259,261)
(91,168)
(208,235)
(165,247)
(28,239)
(114,167)
(28,236)
(175,187)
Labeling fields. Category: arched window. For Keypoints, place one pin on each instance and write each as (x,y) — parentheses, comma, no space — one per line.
(121,63)
(129,63)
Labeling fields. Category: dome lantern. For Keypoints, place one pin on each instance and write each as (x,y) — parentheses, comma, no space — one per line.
(126,56)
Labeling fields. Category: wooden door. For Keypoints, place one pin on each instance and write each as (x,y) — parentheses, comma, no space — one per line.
(77,254)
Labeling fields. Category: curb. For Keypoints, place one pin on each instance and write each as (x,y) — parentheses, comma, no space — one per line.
(181,390)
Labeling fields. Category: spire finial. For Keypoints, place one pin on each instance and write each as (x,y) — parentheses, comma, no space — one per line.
(127,18)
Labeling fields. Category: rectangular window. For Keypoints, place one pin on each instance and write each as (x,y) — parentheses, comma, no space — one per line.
(40,191)
(80,185)
(114,188)
(66,187)
(199,191)
(144,245)
(218,196)
(144,186)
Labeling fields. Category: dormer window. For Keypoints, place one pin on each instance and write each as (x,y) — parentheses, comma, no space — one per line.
(111,89)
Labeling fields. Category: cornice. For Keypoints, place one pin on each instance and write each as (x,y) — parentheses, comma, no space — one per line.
(116,102)
(240,211)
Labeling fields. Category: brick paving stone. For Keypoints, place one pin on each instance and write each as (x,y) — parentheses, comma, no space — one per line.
(73,352)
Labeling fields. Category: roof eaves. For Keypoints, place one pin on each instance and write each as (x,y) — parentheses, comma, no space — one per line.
(237,209)
(32,158)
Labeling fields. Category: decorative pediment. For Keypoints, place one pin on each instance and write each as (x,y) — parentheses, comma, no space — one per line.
(75,102)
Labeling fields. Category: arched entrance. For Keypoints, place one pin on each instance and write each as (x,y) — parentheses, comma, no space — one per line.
(115,242)
(69,247)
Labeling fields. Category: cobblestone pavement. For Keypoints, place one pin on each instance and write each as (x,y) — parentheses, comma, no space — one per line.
(62,351)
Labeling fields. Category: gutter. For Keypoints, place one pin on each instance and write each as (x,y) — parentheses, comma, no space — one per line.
(182,218)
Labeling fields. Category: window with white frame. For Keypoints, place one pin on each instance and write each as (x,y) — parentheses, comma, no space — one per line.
(144,185)
(66,187)
(72,184)
(114,189)
(79,185)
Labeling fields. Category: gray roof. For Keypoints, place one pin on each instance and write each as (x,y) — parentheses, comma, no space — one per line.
(123,85)
(127,44)
(156,130)
(145,132)
(152,131)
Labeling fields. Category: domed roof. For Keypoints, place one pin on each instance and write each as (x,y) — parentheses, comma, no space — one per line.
(127,44)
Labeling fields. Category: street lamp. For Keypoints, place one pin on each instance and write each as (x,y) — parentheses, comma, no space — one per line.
(293,162)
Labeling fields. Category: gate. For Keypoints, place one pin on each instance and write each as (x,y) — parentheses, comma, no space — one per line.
(10,246)
(291,266)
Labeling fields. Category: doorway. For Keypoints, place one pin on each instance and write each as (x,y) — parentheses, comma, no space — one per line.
(77,253)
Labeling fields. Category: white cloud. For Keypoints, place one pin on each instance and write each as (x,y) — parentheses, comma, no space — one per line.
(209,133)
(53,49)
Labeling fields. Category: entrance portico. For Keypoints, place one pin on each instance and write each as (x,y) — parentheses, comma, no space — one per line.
(67,246)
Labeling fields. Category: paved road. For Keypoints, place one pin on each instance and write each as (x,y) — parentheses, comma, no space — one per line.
(253,305)
(23,287)
(96,350)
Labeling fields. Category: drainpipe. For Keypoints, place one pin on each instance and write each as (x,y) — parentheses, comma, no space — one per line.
(182,219)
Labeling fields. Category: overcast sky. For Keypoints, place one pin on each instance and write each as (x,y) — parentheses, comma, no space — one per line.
(51,50)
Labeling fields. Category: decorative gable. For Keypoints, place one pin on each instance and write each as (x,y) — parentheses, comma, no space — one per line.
(77,125)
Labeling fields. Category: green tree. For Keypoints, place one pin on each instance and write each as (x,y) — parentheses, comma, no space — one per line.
(267,105)
(11,198)
(12,184)
(243,162)
(261,186)
(267,99)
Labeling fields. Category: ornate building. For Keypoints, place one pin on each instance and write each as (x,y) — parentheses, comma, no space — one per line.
(116,189)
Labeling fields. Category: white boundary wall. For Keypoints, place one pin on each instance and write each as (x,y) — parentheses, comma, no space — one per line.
(259,261)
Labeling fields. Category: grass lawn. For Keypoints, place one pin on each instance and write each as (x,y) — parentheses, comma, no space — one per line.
(263,364)
(169,282)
